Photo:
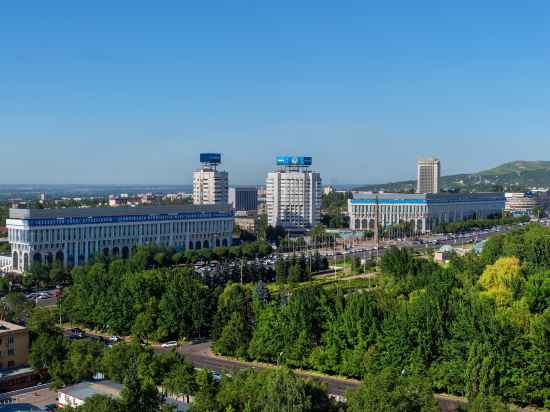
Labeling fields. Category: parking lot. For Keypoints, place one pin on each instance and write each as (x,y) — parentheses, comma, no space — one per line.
(26,399)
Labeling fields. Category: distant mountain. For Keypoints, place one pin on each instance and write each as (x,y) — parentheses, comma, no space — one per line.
(514,176)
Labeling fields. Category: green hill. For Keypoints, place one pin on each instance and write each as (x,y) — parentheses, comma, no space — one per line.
(519,175)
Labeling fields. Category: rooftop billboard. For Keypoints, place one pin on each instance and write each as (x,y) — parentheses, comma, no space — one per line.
(294,161)
(211,158)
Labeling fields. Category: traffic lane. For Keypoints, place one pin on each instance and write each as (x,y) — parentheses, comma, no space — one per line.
(202,357)
(334,386)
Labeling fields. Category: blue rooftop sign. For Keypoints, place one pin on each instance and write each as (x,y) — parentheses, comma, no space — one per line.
(211,158)
(294,161)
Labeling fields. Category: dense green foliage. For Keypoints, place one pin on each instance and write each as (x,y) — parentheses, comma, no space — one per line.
(147,297)
(471,224)
(298,269)
(266,391)
(391,390)
(156,303)
(478,328)
(138,367)
(334,205)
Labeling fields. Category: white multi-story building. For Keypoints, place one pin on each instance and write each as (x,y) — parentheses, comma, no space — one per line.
(73,235)
(427,176)
(521,203)
(425,211)
(210,185)
(293,194)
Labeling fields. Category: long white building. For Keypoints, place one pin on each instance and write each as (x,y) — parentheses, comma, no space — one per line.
(293,194)
(73,235)
(425,211)
(210,185)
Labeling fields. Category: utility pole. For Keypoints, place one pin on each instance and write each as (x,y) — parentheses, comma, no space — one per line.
(376,218)
(242,270)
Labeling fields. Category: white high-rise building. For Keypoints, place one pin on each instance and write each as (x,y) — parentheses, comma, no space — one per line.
(293,194)
(210,185)
(428,174)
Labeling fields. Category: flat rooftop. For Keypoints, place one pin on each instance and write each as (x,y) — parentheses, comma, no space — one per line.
(85,390)
(115,211)
(6,327)
(427,197)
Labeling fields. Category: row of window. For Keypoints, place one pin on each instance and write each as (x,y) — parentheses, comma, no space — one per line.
(99,232)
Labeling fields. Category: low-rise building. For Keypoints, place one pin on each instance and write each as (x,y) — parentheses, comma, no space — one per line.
(444,253)
(248,222)
(424,211)
(14,346)
(73,235)
(521,203)
(76,395)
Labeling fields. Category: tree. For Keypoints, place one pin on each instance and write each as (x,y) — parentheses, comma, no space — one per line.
(181,380)
(16,308)
(397,262)
(502,280)
(391,390)
(235,337)
(537,292)
(139,395)
(82,360)
(281,271)
(487,404)
(205,398)
(283,391)
(116,361)
(295,274)
(100,403)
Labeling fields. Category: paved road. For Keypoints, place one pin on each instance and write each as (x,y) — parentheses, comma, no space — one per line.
(201,356)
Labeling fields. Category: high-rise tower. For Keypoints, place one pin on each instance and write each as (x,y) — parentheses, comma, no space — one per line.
(293,194)
(428,174)
(210,185)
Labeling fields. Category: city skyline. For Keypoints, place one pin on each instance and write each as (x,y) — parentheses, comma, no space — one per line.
(101,95)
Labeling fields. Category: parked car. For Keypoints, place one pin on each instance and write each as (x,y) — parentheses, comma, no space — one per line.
(77,333)
(171,344)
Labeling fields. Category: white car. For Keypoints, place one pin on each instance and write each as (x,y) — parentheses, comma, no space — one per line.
(171,344)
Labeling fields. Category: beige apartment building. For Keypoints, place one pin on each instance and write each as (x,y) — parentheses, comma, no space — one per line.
(14,346)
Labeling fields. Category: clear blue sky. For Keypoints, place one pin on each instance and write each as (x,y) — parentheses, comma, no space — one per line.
(132,91)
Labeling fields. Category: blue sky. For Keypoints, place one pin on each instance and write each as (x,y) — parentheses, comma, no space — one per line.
(132,92)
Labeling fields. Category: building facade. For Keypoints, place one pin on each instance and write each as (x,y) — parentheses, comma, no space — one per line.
(14,346)
(210,185)
(5,263)
(247,222)
(243,199)
(521,203)
(428,172)
(293,194)
(76,395)
(424,211)
(72,235)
